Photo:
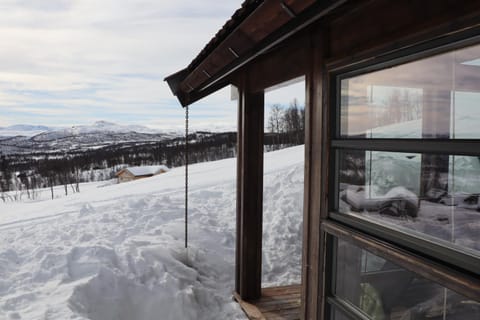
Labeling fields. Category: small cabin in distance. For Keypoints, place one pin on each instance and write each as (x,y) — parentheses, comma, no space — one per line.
(135,173)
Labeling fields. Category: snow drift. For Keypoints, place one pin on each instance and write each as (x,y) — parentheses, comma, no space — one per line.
(116,251)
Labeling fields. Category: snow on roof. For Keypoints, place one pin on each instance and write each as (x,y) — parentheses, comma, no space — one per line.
(146,170)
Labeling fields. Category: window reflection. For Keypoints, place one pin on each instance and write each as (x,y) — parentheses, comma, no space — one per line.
(337,315)
(382,290)
(429,195)
(436,97)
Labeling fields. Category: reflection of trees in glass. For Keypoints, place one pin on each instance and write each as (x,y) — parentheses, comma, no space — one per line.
(352,171)
(401,105)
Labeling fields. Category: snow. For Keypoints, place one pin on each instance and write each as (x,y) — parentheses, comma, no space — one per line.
(115,251)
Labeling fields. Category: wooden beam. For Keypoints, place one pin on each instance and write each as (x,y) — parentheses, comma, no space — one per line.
(283,63)
(250,208)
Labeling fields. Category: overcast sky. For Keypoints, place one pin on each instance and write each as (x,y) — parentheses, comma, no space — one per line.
(70,62)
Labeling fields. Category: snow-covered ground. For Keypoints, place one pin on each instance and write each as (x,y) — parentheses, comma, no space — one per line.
(115,252)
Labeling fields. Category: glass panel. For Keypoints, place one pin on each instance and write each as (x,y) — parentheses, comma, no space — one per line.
(283,207)
(436,97)
(429,195)
(383,290)
(338,315)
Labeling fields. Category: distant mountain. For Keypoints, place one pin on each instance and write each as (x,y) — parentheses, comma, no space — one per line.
(105,126)
(99,126)
(27,127)
(23,130)
(27,138)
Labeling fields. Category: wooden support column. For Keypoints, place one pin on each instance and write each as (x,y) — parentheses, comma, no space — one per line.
(239,191)
(316,162)
(250,194)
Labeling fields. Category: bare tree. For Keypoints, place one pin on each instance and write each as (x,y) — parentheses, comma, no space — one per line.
(275,119)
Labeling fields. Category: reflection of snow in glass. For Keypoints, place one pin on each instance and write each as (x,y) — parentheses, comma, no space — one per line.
(391,194)
(391,169)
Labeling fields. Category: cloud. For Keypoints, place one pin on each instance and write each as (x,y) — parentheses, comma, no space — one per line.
(89,58)
(284,94)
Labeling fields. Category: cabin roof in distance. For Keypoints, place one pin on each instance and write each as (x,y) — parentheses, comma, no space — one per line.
(145,170)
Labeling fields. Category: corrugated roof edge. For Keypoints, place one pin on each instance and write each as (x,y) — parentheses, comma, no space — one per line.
(247,7)
(174,80)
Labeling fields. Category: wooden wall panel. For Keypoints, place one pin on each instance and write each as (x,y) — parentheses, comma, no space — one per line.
(385,22)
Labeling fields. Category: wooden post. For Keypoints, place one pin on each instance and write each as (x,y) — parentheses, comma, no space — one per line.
(250,195)
(239,190)
(315,185)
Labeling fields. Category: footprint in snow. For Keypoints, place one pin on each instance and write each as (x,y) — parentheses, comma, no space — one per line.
(87,209)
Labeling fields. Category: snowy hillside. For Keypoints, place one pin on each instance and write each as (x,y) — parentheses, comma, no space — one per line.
(105,126)
(99,126)
(40,139)
(22,130)
(115,252)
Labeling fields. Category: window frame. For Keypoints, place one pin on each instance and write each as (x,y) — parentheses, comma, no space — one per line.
(447,277)
(446,256)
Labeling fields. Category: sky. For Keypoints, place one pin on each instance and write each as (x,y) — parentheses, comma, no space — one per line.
(73,62)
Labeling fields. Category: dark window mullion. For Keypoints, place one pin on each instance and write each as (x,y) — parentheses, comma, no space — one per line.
(452,147)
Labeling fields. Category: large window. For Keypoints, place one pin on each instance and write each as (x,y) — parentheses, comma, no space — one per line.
(405,166)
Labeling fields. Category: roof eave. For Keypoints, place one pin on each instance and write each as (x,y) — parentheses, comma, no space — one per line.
(174,82)
(188,94)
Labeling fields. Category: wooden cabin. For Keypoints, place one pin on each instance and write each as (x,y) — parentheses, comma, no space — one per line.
(140,172)
(392,145)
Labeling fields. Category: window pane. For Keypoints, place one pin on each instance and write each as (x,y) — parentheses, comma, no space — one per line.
(436,97)
(383,290)
(424,194)
(338,315)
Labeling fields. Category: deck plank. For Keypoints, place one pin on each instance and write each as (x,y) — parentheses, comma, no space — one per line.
(277,303)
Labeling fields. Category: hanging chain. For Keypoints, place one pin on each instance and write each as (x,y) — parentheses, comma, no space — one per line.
(186,177)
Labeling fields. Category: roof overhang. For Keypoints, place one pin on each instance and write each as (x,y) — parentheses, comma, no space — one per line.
(254,29)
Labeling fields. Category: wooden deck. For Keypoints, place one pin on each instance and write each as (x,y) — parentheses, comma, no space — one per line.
(278,303)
